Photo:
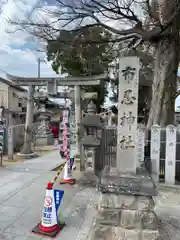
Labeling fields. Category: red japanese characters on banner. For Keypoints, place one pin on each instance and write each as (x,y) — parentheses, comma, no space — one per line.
(65,138)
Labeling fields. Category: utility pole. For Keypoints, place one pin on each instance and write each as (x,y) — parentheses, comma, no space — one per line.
(39,61)
(39,72)
(39,67)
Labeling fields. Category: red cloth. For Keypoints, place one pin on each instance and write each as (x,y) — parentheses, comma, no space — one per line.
(55,131)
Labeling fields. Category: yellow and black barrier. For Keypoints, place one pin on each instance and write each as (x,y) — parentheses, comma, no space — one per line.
(61,167)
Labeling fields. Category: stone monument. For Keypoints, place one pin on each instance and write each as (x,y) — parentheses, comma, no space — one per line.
(126,206)
(127,114)
(43,134)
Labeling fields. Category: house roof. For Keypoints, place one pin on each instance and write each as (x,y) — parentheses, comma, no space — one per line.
(20,89)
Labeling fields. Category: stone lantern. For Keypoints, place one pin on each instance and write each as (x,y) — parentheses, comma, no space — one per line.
(43,136)
(91,125)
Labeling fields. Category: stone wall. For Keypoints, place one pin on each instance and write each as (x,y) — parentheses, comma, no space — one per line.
(125,214)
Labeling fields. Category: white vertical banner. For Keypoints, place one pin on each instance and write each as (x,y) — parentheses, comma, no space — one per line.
(110,119)
(140,145)
(155,149)
(10,142)
(170,161)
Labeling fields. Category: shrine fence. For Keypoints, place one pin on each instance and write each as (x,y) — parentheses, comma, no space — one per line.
(161,148)
(158,147)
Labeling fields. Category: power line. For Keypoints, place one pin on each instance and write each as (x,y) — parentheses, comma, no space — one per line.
(3,71)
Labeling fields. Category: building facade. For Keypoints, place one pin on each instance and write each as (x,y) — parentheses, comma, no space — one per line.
(13,100)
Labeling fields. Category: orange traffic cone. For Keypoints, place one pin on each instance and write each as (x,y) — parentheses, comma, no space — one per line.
(49,225)
(68,173)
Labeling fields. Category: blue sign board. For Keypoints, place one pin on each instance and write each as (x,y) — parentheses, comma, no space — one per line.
(71,162)
(58,195)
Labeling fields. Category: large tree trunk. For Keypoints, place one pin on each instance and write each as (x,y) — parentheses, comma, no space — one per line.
(164,83)
(27,147)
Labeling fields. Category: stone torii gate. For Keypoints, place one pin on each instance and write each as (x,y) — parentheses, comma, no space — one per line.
(52,89)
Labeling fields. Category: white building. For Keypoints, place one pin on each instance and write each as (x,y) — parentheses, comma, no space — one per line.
(13,99)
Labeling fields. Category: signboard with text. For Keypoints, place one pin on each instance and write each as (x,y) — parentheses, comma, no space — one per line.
(1,138)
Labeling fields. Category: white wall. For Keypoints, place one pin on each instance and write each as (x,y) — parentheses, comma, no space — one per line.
(4,95)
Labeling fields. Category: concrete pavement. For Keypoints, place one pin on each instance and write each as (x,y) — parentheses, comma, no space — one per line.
(35,165)
(22,190)
(167,208)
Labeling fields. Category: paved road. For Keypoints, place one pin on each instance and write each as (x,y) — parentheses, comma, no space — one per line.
(22,189)
(168,212)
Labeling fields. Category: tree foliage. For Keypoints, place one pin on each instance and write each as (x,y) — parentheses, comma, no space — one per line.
(68,56)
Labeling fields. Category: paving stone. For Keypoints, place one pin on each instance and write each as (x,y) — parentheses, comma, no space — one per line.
(99,231)
(148,220)
(78,201)
(121,233)
(15,201)
(24,225)
(145,203)
(89,218)
(109,217)
(6,222)
(130,219)
(76,217)
(150,235)
(13,188)
(7,179)
(86,192)
(76,221)
(5,236)
(117,201)
(105,232)
(24,199)
(36,237)
(68,233)
(168,197)
(12,211)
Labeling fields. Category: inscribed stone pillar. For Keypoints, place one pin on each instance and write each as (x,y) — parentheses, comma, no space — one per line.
(127,113)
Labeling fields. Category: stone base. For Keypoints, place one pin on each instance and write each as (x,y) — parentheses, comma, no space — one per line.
(89,178)
(105,232)
(126,207)
(44,140)
(116,182)
(27,156)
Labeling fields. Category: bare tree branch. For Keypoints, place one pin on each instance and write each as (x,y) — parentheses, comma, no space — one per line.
(88,13)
